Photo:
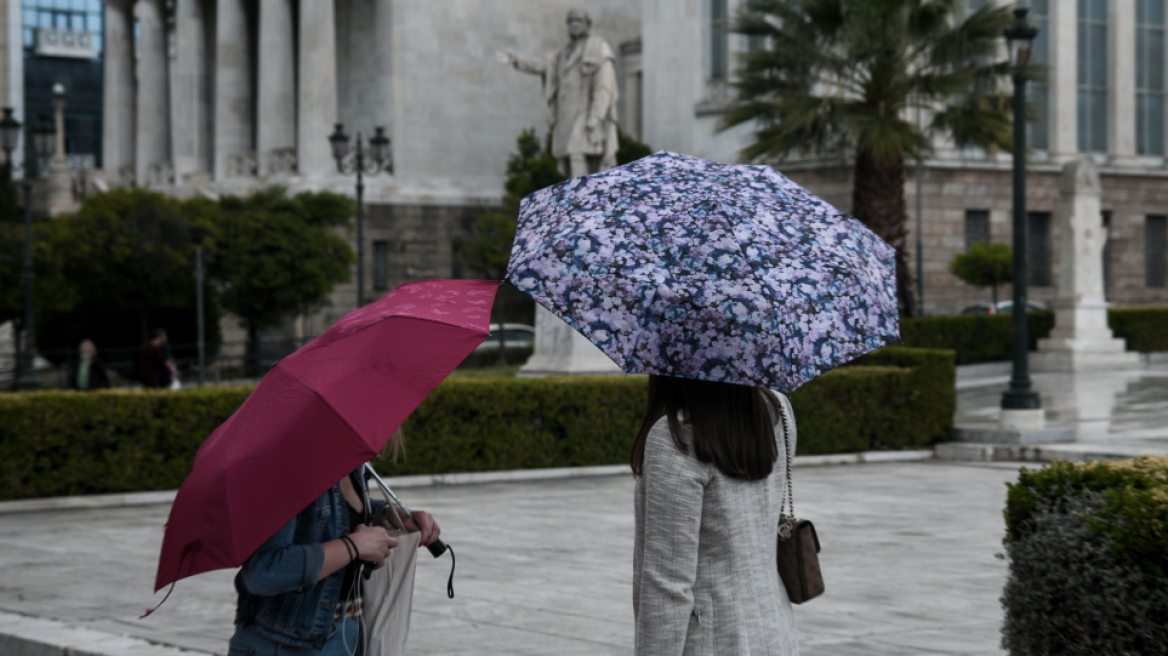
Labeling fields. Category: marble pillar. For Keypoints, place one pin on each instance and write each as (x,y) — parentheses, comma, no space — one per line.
(1064,90)
(190,100)
(1122,103)
(317,87)
(117,141)
(152,103)
(276,88)
(234,101)
(1081,338)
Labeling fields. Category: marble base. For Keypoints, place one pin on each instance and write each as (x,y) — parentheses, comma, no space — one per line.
(1075,355)
(561,351)
(1021,420)
(989,435)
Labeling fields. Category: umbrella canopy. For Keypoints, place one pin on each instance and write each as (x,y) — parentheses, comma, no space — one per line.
(678,266)
(317,415)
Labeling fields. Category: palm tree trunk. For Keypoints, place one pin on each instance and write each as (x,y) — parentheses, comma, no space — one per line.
(878,201)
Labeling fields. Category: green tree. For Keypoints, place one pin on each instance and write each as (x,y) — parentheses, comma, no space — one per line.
(273,257)
(125,265)
(985,265)
(849,75)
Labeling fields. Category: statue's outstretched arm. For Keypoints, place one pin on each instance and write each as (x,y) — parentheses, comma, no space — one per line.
(533,65)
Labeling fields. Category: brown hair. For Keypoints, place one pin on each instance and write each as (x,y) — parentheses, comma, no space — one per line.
(731,426)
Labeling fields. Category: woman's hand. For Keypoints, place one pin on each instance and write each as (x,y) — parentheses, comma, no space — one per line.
(373,544)
(422,522)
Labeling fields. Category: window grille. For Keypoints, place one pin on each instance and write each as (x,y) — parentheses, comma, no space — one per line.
(1093,62)
(1150,77)
(977,227)
(1038,248)
(1155,247)
(380,265)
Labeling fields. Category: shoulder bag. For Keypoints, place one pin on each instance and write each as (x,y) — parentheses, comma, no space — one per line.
(798,541)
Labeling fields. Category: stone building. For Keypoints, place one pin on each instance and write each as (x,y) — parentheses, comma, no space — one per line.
(1104,97)
(225,96)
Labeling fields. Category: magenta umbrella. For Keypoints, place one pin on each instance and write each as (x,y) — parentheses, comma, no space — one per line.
(316,416)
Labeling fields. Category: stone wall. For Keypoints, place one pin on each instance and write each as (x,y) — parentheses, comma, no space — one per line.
(948,191)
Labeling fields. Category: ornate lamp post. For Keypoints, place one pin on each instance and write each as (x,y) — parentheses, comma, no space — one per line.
(43,142)
(352,161)
(199,234)
(1020,396)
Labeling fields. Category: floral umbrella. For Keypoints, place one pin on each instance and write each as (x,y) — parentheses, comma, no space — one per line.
(679,266)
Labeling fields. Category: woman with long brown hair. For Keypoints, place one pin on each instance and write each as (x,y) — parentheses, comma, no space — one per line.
(710,464)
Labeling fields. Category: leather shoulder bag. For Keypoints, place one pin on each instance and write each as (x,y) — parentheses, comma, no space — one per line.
(798,541)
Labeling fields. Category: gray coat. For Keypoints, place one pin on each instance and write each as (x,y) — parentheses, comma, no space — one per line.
(704,569)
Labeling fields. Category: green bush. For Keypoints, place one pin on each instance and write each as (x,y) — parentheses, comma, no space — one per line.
(1144,328)
(1088,551)
(64,443)
(974,337)
(987,337)
(67,443)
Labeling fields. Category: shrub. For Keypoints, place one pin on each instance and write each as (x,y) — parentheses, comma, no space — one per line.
(984,265)
(988,337)
(63,443)
(1088,551)
(974,337)
(1144,328)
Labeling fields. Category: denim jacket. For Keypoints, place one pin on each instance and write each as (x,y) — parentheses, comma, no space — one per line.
(279,596)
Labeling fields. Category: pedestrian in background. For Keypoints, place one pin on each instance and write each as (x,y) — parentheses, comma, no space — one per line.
(711,471)
(153,367)
(89,372)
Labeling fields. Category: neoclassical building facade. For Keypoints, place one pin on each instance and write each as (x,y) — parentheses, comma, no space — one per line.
(225,96)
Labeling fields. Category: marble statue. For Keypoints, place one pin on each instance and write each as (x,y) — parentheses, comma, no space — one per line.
(580,86)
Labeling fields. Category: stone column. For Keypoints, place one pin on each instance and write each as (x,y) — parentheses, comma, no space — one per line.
(317,87)
(1081,338)
(670,30)
(152,102)
(276,88)
(1122,104)
(234,104)
(190,102)
(1064,91)
(117,139)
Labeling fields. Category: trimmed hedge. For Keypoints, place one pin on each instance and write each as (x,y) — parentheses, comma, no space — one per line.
(1144,328)
(1088,551)
(67,443)
(973,337)
(987,337)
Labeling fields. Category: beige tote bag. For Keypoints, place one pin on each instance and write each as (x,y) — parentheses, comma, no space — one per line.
(389,595)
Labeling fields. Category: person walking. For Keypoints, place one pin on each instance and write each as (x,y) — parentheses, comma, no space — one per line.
(153,366)
(89,373)
(711,470)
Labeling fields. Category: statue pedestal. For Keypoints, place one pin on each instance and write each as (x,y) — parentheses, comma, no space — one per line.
(1081,339)
(561,351)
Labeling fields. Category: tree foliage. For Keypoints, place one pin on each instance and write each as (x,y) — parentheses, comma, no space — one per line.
(274,257)
(985,265)
(126,265)
(849,76)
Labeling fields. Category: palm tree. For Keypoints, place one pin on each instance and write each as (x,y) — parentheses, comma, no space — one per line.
(849,76)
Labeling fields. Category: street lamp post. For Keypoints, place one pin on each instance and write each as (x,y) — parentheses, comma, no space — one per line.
(199,234)
(42,137)
(351,160)
(1020,396)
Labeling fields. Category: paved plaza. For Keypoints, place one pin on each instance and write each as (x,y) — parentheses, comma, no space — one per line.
(546,568)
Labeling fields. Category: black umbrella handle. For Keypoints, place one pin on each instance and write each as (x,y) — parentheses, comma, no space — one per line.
(437,547)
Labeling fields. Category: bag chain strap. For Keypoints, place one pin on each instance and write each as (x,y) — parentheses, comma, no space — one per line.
(789,498)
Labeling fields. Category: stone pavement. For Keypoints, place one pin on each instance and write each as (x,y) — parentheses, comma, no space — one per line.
(1113,414)
(545,568)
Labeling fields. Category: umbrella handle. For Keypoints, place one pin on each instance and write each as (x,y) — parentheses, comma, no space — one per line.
(437,547)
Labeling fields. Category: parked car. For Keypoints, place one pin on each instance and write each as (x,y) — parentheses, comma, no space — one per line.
(517,335)
(1003,307)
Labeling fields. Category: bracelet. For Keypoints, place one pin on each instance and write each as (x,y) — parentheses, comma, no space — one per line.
(350,547)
